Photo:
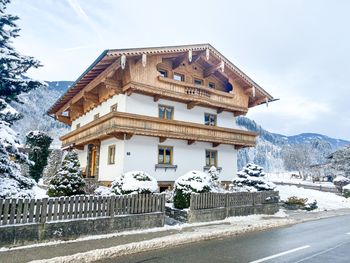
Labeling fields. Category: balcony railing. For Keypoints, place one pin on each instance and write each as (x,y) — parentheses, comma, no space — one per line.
(190,93)
(124,125)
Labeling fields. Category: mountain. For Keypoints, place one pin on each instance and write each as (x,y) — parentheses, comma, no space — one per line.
(34,107)
(268,152)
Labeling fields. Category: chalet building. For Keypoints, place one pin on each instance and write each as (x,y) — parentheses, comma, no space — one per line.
(163,110)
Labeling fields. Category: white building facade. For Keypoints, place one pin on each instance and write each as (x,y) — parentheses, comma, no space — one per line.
(164,114)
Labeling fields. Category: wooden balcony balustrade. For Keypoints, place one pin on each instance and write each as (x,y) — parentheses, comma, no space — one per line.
(189,93)
(123,125)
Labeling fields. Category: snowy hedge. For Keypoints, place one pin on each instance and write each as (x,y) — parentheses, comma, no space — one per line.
(191,182)
(346,191)
(134,182)
(252,179)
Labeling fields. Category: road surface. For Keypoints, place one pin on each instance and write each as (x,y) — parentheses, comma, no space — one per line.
(326,240)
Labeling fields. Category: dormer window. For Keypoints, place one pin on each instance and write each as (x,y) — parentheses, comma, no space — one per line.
(211,85)
(163,73)
(198,82)
(179,77)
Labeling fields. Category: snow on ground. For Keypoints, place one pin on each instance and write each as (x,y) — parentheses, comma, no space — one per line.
(39,192)
(325,200)
(286,178)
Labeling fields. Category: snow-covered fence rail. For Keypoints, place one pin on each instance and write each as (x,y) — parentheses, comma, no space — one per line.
(22,211)
(237,199)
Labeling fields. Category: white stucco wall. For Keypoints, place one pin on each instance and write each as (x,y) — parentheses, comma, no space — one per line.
(108,172)
(140,104)
(143,155)
(82,156)
(102,109)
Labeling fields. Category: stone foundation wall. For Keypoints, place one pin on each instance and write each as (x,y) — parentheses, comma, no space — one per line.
(12,235)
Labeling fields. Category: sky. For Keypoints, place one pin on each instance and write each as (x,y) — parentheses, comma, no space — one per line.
(299,51)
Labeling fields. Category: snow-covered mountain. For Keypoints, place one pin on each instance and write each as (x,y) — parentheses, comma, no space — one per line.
(267,153)
(34,108)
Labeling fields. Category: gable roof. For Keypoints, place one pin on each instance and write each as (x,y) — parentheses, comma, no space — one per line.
(109,56)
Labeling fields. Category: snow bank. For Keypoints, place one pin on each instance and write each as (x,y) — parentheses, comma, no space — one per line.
(325,200)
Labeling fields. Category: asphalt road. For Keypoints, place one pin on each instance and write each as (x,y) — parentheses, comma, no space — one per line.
(326,240)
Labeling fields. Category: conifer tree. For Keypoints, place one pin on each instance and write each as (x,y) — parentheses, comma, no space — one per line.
(13,66)
(68,180)
(38,143)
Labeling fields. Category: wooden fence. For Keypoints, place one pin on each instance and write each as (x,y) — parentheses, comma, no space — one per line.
(215,200)
(22,211)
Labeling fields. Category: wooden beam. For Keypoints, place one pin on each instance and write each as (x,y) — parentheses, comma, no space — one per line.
(129,91)
(94,98)
(162,139)
(195,58)
(79,147)
(77,108)
(64,119)
(178,61)
(237,147)
(97,80)
(94,142)
(192,104)
(219,110)
(189,142)
(211,70)
(156,98)
(121,135)
(239,113)
(257,102)
(216,144)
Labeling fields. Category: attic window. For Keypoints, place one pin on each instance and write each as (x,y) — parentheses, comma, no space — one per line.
(163,73)
(179,77)
(211,85)
(198,82)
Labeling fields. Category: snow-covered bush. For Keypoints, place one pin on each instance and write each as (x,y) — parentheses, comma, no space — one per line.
(346,191)
(38,143)
(191,182)
(134,182)
(68,180)
(103,191)
(341,181)
(252,179)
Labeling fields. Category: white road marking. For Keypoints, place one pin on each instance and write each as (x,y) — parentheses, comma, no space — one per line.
(322,252)
(279,254)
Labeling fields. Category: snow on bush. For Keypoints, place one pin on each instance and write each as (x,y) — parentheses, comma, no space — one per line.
(103,191)
(134,182)
(68,180)
(252,179)
(191,182)
(341,181)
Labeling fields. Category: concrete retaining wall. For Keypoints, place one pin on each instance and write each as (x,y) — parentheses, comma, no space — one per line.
(11,235)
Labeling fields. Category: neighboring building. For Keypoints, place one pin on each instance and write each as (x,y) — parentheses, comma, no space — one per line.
(164,110)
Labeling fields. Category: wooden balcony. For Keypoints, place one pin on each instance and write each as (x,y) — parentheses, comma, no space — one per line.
(124,125)
(189,93)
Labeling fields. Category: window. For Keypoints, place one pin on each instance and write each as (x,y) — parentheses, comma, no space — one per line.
(211,85)
(165,155)
(96,116)
(114,107)
(77,126)
(166,112)
(198,82)
(111,154)
(163,73)
(210,119)
(179,77)
(211,158)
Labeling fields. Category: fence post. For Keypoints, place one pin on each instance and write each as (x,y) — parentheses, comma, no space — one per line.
(112,206)
(43,210)
(192,205)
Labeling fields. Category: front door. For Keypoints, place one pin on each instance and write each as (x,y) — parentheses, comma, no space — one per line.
(92,161)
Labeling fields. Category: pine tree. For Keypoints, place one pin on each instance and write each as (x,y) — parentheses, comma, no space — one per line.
(13,66)
(252,179)
(38,143)
(68,180)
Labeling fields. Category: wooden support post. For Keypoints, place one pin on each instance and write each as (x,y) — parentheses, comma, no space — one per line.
(192,104)
(216,144)
(64,119)
(162,139)
(211,70)
(189,142)
(219,110)
(156,98)
(94,98)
